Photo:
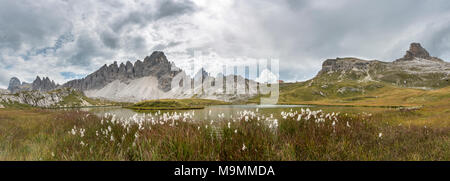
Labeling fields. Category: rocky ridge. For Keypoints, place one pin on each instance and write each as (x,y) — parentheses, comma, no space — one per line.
(155,65)
(417,69)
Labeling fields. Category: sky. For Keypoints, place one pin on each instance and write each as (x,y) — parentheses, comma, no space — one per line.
(68,39)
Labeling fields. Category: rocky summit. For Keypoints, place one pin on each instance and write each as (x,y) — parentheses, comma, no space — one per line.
(416,51)
(417,69)
(16,86)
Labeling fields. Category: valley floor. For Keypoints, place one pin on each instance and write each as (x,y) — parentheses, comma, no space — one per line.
(426,107)
(40,134)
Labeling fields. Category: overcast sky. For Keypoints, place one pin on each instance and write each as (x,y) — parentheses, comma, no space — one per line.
(67,39)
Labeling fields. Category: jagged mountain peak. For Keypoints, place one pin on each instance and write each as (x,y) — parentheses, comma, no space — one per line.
(44,84)
(155,58)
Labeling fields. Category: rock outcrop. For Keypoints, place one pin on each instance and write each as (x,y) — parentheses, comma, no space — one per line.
(33,98)
(346,64)
(49,99)
(416,51)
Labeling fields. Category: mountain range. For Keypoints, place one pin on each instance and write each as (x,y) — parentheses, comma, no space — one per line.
(143,80)
(152,78)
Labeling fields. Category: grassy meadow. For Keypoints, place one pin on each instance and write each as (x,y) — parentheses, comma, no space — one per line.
(415,127)
(39,134)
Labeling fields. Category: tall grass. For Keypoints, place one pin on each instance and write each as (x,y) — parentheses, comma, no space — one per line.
(75,135)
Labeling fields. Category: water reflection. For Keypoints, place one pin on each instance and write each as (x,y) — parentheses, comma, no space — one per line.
(225,111)
(208,113)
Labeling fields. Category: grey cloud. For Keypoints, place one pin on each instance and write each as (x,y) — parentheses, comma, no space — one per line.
(138,43)
(135,44)
(301,33)
(25,22)
(164,46)
(296,4)
(110,39)
(173,8)
(305,33)
(87,48)
(140,18)
(439,42)
(4,78)
(143,16)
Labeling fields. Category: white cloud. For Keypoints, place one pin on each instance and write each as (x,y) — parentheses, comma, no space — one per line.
(300,33)
(267,76)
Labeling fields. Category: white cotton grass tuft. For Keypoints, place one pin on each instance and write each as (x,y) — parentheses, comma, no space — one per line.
(111,125)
